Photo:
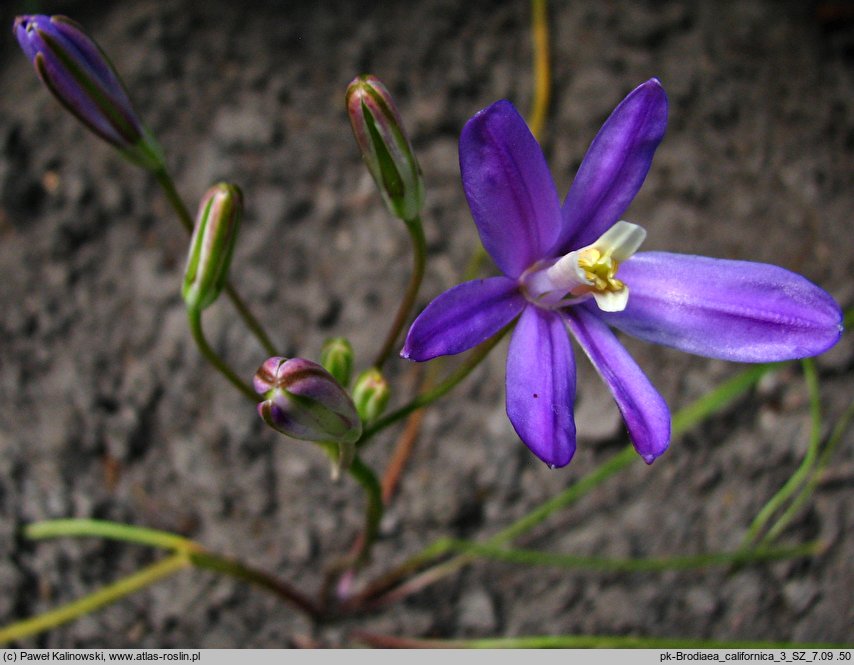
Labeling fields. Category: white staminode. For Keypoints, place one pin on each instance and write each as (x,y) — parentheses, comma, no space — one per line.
(592,269)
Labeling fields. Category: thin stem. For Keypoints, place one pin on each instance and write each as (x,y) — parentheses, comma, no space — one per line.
(683,420)
(799,476)
(387,581)
(192,552)
(659,564)
(209,561)
(810,487)
(419,258)
(526,523)
(400,456)
(87,605)
(110,530)
(717,399)
(365,476)
(433,394)
(249,319)
(168,185)
(542,71)
(195,319)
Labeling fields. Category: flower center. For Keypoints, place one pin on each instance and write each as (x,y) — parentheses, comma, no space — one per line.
(589,271)
(599,270)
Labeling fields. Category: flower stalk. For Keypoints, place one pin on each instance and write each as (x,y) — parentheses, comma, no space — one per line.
(194,317)
(419,260)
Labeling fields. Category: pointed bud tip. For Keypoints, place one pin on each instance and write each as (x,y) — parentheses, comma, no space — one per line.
(77,72)
(385,147)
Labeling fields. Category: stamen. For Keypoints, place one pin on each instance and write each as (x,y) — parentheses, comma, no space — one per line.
(589,271)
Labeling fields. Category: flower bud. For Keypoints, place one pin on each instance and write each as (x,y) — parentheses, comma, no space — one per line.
(212,245)
(336,356)
(385,147)
(81,77)
(304,401)
(371,394)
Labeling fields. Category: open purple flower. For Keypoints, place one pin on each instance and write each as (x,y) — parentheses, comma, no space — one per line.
(560,267)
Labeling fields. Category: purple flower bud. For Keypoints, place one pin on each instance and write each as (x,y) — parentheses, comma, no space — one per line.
(385,147)
(212,245)
(304,401)
(81,77)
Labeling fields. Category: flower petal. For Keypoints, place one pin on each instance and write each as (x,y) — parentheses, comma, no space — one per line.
(463,317)
(614,167)
(541,386)
(509,188)
(734,310)
(644,409)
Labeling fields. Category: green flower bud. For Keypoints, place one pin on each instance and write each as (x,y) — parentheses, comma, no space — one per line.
(385,147)
(212,245)
(371,394)
(336,356)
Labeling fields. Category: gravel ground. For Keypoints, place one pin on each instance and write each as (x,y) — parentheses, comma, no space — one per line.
(108,411)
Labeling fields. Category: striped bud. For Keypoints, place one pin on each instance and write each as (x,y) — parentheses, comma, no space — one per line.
(385,147)
(304,401)
(79,74)
(212,245)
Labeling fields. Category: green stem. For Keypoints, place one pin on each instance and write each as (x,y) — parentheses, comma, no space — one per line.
(430,396)
(95,601)
(683,420)
(111,530)
(249,319)
(365,476)
(193,553)
(803,471)
(419,258)
(689,562)
(195,319)
(717,399)
(168,185)
(811,485)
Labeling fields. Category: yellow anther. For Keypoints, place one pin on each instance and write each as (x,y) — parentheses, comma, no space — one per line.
(599,269)
(589,271)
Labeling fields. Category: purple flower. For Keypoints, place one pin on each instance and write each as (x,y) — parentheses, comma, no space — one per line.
(81,77)
(560,271)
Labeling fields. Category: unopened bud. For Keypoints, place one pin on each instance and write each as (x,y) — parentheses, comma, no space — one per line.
(212,245)
(336,356)
(81,77)
(371,394)
(304,401)
(385,147)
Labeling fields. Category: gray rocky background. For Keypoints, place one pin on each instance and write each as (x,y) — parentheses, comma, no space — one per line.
(108,411)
